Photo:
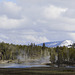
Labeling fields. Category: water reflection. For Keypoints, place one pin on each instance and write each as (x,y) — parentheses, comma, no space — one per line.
(20,66)
(70,66)
(28,65)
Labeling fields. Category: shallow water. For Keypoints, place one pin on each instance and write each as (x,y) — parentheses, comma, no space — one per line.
(27,66)
(70,66)
(20,66)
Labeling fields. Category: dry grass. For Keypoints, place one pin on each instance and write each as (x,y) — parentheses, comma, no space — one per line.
(37,71)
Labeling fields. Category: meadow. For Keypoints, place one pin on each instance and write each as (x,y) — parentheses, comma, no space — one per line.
(37,71)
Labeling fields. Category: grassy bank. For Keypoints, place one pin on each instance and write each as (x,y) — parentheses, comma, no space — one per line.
(37,71)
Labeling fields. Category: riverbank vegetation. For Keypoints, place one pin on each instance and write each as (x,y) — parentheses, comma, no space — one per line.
(58,55)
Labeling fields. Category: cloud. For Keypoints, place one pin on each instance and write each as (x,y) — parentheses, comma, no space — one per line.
(67,24)
(12,10)
(70,13)
(6,23)
(23,36)
(1,40)
(3,36)
(53,11)
(26,21)
(72,35)
(36,39)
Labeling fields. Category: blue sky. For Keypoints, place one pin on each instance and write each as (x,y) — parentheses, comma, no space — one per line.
(37,21)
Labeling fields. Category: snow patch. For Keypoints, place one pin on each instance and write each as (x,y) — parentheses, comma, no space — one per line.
(66,43)
(57,43)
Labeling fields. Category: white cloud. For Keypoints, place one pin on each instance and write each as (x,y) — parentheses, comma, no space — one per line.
(53,11)
(3,36)
(66,24)
(1,40)
(12,10)
(72,35)
(35,39)
(70,13)
(26,21)
(6,23)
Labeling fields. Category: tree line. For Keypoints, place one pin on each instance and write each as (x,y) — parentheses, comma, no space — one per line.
(58,55)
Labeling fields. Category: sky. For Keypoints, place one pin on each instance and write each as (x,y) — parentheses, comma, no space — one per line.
(36,21)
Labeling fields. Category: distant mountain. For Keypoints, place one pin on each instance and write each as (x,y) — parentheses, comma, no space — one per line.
(57,43)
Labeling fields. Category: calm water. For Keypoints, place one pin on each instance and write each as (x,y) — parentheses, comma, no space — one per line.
(26,66)
(20,66)
(70,66)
